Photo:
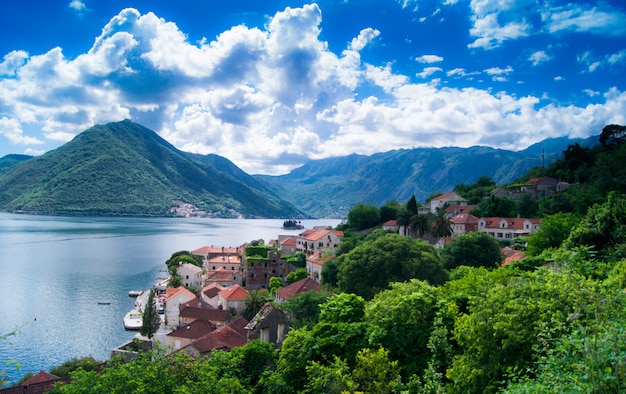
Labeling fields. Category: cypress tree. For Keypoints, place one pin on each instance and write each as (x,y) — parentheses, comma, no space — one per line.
(150,320)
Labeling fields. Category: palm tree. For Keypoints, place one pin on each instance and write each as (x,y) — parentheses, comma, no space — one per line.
(254,302)
(420,224)
(404,220)
(442,226)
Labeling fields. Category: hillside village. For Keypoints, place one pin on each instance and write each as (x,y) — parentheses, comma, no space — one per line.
(205,312)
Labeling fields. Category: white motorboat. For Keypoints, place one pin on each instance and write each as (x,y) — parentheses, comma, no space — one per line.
(134,293)
(133,320)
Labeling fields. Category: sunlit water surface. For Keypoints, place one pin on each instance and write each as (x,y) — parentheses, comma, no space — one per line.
(55,270)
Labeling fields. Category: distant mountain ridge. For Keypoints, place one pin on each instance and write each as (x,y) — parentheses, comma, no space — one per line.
(330,187)
(125,169)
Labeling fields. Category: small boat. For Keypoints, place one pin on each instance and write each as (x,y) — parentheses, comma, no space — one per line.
(104,302)
(134,293)
(133,320)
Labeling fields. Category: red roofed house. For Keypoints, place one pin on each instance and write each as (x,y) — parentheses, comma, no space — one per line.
(233,297)
(508,228)
(446,198)
(314,265)
(391,226)
(223,338)
(174,298)
(296,288)
(186,334)
(41,382)
(287,244)
(318,241)
(540,187)
(210,293)
(223,277)
(197,309)
(463,224)
(190,274)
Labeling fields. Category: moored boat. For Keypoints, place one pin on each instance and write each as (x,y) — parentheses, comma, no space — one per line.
(133,320)
(134,293)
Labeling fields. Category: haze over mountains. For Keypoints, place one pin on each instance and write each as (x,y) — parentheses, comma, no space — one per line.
(123,168)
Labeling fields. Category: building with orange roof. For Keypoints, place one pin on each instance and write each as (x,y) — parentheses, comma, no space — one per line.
(318,241)
(446,198)
(286,293)
(233,297)
(508,228)
(463,224)
(223,277)
(223,338)
(174,298)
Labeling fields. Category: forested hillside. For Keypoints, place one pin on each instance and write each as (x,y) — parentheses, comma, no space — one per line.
(125,169)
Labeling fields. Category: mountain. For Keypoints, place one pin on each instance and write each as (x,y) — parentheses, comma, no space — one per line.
(330,187)
(126,169)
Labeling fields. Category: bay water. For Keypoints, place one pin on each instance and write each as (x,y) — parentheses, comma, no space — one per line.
(55,273)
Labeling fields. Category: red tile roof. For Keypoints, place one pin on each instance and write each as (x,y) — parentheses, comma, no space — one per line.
(220,275)
(223,338)
(297,288)
(446,195)
(212,290)
(170,292)
(512,223)
(234,292)
(289,242)
(464,218)
(193,330)
(225,259)
(314,235)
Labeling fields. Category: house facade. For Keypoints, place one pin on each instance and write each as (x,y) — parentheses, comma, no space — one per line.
(174,298)
(284,294)
(191,275)
(446,198)
(318,241)
(508,228)
(233,297)
(270,325)
(463,224)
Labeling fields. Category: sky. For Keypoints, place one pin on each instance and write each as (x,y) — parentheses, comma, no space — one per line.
(271,85)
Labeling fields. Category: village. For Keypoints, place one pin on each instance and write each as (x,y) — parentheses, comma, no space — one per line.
(204,313)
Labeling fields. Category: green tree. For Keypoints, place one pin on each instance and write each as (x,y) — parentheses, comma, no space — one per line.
(275,284)
(375,373)
(363,216)
(527,206)
(441,227)
(330,272)
(343,307)
(603,227)
(474,249)
(402,318)
(304,309)
(85,363)
(254,302)
(334,378)
(496,206)
(297,275)
(412,206)
(420,224)
(389,211)
(371,266)
(150,321)
(553,231)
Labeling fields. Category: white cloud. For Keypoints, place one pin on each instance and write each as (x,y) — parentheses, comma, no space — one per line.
(77,5)
(428,71)
(11,129)
(539,57)
(429,59)
(269,99)
(574,17)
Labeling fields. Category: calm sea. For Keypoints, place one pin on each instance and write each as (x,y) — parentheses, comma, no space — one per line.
(55,270)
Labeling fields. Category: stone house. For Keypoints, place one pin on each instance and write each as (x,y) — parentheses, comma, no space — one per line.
(210,294)
(463,224)
(223,338)
(233,297)
(174,298)
(270,325)
(284,294)
(508,228)
(191,275)
(223,277)
(318,241)
(446,198)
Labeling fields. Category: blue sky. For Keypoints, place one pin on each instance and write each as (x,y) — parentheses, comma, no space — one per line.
(270,85)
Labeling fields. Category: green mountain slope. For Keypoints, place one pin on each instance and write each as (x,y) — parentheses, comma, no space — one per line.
(330,187)
(123,168)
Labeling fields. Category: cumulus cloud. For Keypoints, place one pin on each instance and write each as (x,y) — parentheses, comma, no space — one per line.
(271,98)
(539,57)
(575,17)
(429,59)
